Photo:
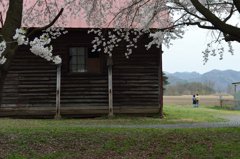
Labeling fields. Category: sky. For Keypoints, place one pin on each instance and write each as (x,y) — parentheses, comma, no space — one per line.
(185,55)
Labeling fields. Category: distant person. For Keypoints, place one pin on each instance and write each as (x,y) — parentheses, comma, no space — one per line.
(197,100)
(194,101)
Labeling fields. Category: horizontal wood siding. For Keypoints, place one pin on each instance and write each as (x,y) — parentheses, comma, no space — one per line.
(81,89)
(34,81)
(135,80)
(30,87)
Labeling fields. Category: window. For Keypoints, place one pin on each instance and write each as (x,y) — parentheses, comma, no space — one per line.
(82,59)
(78,61)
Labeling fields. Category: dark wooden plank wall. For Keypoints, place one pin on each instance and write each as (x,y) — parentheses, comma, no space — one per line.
(30,88)
(135,80)
(82,93)
(31,82)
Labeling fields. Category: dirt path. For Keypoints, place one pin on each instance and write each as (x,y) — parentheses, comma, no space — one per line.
(234,121)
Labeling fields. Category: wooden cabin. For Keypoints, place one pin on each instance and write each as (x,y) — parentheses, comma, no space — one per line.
(30,87)
(86,83)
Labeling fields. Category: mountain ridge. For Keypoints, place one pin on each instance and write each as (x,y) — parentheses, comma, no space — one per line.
(222,79)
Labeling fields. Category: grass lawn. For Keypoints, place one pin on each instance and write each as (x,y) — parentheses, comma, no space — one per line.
(51,143)
(173,114)
(20,138)
(203,114)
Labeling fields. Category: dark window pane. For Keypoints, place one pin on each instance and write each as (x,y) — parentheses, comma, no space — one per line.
(73,51)
(78,59)
(73,60)
(81,60)
(81,51)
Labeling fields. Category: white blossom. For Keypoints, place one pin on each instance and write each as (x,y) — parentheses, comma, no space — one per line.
(2,49)
(38,45)
(57,60)
(20,36)
(130,20)
(2,60)
(38,48)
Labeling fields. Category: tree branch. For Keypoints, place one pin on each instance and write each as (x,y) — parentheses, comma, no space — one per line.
(231,38)
(237,4)
(230,15)
(47,26)
(189,12)
(121,11)
(137,10)
(1,19)
(201,26)
(13,19)
(220,25)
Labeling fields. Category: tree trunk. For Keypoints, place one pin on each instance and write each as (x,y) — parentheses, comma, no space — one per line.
(3,75)
(12,22)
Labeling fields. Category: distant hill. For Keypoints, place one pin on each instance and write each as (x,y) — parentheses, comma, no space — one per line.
(186,75)
(174,80)
(221,78)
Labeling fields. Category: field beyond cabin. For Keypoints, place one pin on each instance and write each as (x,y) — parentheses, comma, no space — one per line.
(187,99)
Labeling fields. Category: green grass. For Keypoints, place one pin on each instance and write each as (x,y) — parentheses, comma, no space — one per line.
(173,114)
(119,142)
(203,114)
(50,139)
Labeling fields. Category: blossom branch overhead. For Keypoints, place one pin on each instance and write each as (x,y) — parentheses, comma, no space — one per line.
(128,20)
(38,44)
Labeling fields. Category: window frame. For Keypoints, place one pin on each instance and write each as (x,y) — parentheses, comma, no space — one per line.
(87,47)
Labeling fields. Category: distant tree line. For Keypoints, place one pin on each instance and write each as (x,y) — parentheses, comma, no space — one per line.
(204,88)
(165,81)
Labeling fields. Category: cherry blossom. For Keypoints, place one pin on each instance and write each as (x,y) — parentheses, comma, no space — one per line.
(38,48)
(20,36)
(2,49)
(129,20)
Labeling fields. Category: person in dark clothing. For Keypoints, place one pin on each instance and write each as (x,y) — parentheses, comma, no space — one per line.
(194,101)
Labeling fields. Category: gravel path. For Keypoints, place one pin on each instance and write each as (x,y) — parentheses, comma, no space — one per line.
(234,122)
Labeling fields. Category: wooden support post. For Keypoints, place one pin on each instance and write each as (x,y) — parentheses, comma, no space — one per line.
(160,80)
(235,88)
(221,103)
(58,116)
(110,91)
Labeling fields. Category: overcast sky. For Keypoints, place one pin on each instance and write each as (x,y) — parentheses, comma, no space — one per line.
(185,55)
